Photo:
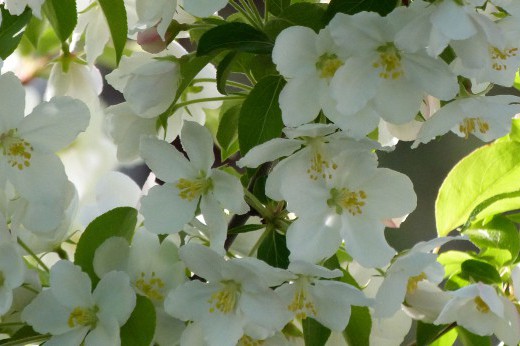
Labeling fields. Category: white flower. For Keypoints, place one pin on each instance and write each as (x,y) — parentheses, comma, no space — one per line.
(12,271)
(154,269)
(327,301)
(16,7)
(379,71)
(28,144)
(405,273)
(426,302)
(352,205)
(188,184)
(485,117)
(156,12)
(479,309)
(236,297)
(74,315)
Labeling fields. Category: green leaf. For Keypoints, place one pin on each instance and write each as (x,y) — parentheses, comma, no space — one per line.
(276,6)
(223,71)
(237,36)
(227,132)
(245,229)
(452,261)
(140,328)
(469,339)
(273,250)
(118,222)
(480,271)
(33,31)
(426,333)
(447,339)
(499,233)
(260,117)
(383,7)
(11,30)
(314,333)
(115,13)
(487,172)
(62,15)
(302,14)
(359,327)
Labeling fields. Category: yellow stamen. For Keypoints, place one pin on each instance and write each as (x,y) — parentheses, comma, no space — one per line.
(328,64)
(413,281)
(225,300)
(344,199)
(389,62)
(320,167)
(470,125)
(151,287)
(301,306)
(83,317)
(248,341)
(17,150)
(191,189)
(499,57)
(481,305)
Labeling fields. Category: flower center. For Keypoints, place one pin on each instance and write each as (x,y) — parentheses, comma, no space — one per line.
(301,306)
(413,281)
(481,305)
(389,62)
(344,199)
(225,300)
(470,125)
(83,317)
(328,64)
(150,287)
(320,168)
(16,149)
(191,189)
(500,56)
(248,341)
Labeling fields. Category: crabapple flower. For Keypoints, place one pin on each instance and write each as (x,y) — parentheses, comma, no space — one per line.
(28,144)
(154,269)
(155,13)
(188,184)
(379,71)
(309,148)
(405,273)
(12,271)
(74,315)
(236,297)
(352,205)
(327,301)
(485,117)
(16,7)
(479,309)
(426,301)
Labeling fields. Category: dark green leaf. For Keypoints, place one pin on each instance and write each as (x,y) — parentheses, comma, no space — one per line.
(499,233)
(314,333)
(118,222)
(62,15)
(302,14)
(273,250)
(426,333)
(223,71)
(383,7)
(140,328)
(115,13)
(469,339)
(359,327)
(276,6)
(262,66)
(33,31)
(237,36)
(245,229)
(480,271)
(260,117)
(11,31)
(227,131)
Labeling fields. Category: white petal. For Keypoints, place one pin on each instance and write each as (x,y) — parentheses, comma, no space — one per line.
(46,315)
(406,109)
(204,8)
(265,308)
(299,101)
(294,52)
(190,301)
(203,261)
(215,218)
(164,211)
(508,329)
(55,124)
(165,161)
(111,255)
(105,333)
(114,296)
(198,144)
(70,285)
(269,151)
(229,192)
(12,98)
(390,295)
(73,337)
(452,20)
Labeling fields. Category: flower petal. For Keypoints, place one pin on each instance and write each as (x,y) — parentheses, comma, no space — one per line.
(229,192)
(70,285)
(12,99)
(198,144)
(114,297)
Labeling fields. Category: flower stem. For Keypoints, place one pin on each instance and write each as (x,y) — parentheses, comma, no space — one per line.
(27,340)
(33,255)
(205,99)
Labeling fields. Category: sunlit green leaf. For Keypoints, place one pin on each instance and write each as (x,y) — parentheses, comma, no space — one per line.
(62,15)
(11,30)
(273,250)
(480,271)
(115,13)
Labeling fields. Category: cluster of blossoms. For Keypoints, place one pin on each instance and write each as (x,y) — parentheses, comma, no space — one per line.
(263,219)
